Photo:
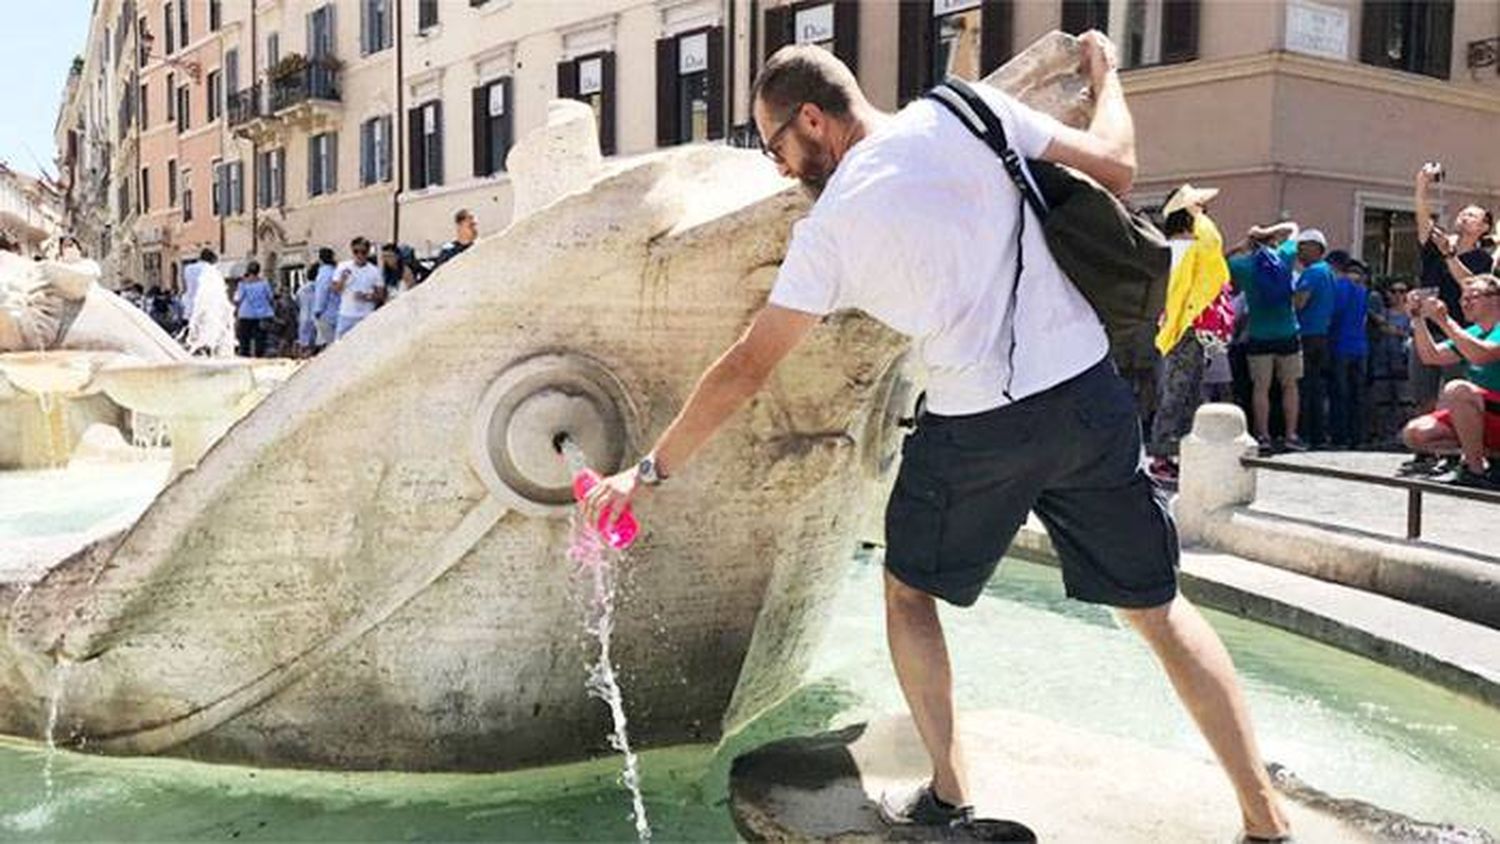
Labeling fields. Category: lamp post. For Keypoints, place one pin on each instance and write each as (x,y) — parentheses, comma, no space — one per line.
(193,68)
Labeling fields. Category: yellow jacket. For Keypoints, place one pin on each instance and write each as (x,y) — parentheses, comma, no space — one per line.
(1195,283)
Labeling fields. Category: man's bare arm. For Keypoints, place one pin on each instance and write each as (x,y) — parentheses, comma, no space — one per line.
(1106,151)
(737,375)
(1472,349)
(731,381)
(1427,350)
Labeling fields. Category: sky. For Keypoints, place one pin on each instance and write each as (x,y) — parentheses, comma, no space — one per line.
(37,44)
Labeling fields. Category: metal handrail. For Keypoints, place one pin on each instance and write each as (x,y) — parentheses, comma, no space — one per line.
(1414,487)
(315,81)
(244,105)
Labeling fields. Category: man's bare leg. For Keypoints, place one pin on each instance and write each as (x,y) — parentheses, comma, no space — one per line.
(920,654)
(1426,435)
(1203,675)
(1291,406)
(1260,408)
(1465,405)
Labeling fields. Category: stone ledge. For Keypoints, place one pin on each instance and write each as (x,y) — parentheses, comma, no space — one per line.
(1064,783)
(1451,652)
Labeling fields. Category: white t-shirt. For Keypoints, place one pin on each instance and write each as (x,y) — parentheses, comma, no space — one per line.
(917,228)
(362,279)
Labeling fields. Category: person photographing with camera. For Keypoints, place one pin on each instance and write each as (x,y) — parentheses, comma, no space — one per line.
(1468,413)
(1447,258)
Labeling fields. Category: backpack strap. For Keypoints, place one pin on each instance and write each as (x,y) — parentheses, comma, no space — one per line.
(971,110)
(975,114)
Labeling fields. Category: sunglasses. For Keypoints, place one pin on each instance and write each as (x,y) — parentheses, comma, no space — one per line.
(768,147)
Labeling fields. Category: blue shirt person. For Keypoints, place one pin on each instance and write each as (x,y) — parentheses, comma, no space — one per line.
(254,298)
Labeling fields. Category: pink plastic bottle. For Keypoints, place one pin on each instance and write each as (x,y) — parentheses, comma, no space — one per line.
(620,534)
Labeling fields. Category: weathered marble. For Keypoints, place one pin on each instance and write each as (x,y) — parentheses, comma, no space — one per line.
(368,570)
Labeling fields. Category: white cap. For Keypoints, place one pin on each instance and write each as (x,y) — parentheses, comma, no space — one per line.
(1312,236)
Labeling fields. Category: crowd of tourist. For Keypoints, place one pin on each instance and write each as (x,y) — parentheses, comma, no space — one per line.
(295,316)
(1320,354)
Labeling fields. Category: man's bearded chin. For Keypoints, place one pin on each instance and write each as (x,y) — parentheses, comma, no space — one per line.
(816,173)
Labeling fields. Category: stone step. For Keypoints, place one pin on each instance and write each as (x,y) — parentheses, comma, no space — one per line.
(1449,651)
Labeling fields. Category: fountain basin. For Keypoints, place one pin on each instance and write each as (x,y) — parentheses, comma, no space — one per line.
(198,399)
(47,400)
(61,372)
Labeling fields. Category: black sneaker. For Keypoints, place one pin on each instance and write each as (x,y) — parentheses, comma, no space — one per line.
(1470,478)
(1422,465)
(922,808)
(1296,445)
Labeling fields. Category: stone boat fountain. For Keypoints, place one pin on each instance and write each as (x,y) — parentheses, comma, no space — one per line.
(58,329)
(369,570)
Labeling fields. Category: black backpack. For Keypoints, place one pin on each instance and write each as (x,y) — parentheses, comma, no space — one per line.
(1116,258)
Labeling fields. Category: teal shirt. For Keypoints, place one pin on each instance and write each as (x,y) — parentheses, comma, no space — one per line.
(1485,375)
(1270,319)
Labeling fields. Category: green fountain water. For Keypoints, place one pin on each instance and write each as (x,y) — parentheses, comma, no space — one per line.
(1349,726)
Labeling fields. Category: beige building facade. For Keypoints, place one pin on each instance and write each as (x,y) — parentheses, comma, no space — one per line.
(313,121)
(384,117)
(30,211)
(1314,111)
(179,117)
(95,136)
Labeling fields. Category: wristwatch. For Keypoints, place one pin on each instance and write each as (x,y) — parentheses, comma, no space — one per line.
(647,471)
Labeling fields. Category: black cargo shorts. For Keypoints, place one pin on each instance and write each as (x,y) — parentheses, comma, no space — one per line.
(1072,455)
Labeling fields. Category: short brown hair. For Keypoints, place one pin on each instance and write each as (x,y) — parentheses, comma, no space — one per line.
(801,74)
(462,215)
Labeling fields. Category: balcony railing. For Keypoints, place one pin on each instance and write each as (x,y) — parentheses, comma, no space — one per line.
(1484,53)
(244,105)
(314,81)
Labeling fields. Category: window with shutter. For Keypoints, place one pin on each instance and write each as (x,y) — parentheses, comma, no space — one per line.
(172,183)
(1179,31)
(367,153)
(435,144)
(427,14)
(425,134)
(384,155)
(479,106)
(214,95)
(1080,16)
(491,120)
(1411,35)
(591,79)
(169,28)
(237,188)
(183,36)
(145,189)
(262,181)
(686,90)
(184,109)
(416,173)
